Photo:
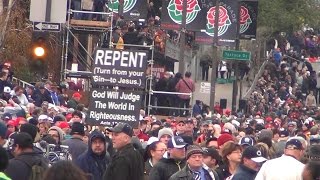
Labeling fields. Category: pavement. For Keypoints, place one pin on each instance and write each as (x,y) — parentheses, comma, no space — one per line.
(223,91)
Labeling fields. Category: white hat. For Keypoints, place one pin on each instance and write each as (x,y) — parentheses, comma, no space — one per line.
(152,140)
(7,89)
(43,117)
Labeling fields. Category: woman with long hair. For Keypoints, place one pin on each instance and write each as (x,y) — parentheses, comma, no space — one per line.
(231,156)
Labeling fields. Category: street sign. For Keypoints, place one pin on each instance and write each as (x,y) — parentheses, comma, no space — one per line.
(236,55)
(46,26)
(205,87)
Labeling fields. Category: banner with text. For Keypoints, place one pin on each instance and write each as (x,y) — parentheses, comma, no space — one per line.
(133,10)
(107,107)
(172,14)
(123,68)
(227,25)
(248,19)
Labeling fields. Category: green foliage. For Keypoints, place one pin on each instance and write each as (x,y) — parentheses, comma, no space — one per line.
(288,15)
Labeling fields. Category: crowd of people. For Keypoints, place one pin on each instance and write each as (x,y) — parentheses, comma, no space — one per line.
(50,139)
(44,134)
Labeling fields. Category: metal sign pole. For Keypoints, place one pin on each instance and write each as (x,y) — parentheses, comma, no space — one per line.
(48,10)
(215,56)
(67,41)
(183,38)
(236,64)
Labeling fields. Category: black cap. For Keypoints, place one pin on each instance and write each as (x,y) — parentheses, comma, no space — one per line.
(246,141)
(213,153)
(77,128)
(24,140)
(283,132)
(33,121)
(176,142)
(122,127)
(58,117)
(6,116)
(254,154)
(30,129)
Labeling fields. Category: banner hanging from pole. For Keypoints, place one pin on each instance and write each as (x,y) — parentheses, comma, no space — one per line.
(227,30)
(133,10)
(248,19)
(172,14)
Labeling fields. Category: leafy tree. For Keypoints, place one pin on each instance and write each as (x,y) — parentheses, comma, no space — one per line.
(288,15)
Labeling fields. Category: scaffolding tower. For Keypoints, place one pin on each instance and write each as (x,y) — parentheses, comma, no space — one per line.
(73,27)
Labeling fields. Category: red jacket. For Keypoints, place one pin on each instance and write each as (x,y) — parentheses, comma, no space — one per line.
(185,85)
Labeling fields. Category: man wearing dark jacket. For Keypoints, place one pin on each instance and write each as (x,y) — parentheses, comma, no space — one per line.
(250,164)
(76,144)
(20,167)
(166,167)
(94,161)
(195,168)
(127,162)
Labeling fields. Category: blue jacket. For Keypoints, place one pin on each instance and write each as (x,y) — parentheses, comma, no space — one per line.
(91,163)
(244,173)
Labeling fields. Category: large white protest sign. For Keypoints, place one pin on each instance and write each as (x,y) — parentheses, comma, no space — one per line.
(123,68)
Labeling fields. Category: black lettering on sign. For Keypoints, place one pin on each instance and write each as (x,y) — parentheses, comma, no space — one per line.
(107,107)
(120,68)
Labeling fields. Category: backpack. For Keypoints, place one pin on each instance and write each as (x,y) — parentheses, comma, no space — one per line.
(37,172)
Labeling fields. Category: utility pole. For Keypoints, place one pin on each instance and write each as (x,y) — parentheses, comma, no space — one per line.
(120,9)
(183,38)
(236,65)
(215,56)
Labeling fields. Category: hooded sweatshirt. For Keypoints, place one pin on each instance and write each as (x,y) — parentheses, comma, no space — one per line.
(92,163)
(60,132)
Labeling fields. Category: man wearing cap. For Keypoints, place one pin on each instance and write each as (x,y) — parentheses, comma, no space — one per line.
(166,167)
(181,127)
(246,142)
(211,158)
(94,160)
(75,143)
(24,157)
(250,164)
(286,167)
(194,169)
(127,163)
(74,101)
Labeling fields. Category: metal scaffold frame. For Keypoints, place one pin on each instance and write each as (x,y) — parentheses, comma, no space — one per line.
(67,34)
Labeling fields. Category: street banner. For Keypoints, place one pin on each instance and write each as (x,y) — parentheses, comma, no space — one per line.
(172,14)
(123,68)
(133,10)
(108,107)
(227,26)
(248,19)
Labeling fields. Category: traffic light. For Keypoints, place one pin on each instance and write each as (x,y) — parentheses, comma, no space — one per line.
(39,53)
(39,46)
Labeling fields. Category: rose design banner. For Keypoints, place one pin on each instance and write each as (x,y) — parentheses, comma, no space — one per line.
(132,9)
(248,19)
(227,30)
(172,14)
